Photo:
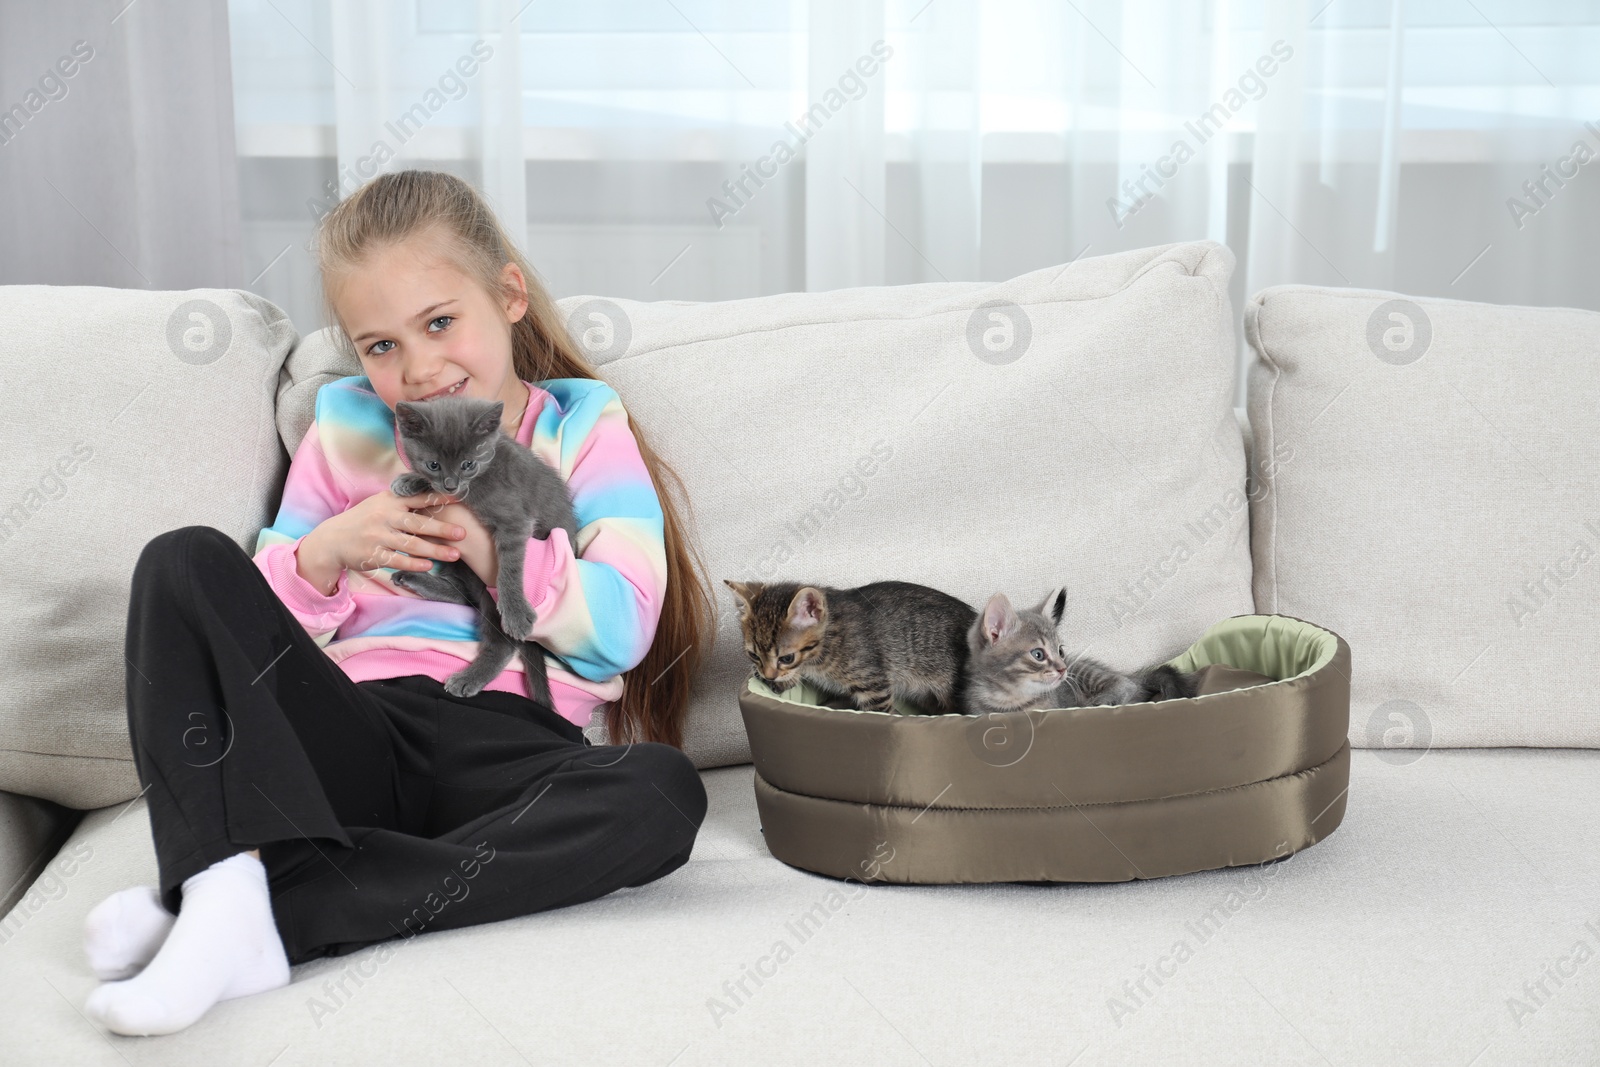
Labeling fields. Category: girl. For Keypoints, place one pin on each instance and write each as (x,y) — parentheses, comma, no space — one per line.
(312,786)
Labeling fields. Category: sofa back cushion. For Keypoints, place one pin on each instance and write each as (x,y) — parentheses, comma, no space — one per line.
(125,414)
(1429,491)
(1071,425)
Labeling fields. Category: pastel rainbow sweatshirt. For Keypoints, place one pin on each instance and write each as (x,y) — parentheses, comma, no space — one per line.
(597,601)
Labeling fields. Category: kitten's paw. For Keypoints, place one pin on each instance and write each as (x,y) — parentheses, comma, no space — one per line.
(431,586)
(516,619)
(411,582)
(457,686)
(409,484)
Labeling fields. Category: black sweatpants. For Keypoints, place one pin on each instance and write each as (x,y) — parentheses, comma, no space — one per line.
(382,808)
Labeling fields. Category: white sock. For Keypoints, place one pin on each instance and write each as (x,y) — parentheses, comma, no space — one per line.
(124,931)
(224,944)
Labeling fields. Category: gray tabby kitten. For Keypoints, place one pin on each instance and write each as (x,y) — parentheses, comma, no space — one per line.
(455,445)
(873,643)
(1017,663)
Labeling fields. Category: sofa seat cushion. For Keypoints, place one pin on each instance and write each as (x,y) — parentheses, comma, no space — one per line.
(1432,928)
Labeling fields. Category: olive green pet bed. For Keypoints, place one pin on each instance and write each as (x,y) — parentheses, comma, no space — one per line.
(1254,768)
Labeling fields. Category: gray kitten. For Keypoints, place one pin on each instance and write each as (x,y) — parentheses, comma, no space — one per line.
(873,643)
(455,445)
(1017,662)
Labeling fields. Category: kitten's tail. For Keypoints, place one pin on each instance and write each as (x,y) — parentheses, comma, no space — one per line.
(533,666)
(1168,683)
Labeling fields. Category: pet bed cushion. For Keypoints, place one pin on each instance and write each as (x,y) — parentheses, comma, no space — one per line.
(1255,768)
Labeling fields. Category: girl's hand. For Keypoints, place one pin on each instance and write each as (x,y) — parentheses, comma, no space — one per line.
(477,546)
(383,530)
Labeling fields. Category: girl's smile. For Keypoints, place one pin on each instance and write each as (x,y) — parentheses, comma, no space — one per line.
(451,390)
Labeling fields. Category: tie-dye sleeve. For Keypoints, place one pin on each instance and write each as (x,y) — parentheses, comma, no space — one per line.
(311,494)
(598,602)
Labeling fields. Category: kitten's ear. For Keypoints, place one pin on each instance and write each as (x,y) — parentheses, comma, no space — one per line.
(1054,605)
(744,594)
(408,418)
(999,618)
(807,607)
(489,421)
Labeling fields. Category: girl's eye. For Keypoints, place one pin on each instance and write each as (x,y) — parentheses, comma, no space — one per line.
(1037,654)
(372,350)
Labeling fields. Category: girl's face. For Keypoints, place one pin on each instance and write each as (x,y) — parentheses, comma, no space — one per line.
(420,326)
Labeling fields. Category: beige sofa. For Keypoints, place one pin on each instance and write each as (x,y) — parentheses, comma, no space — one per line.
(1421,478)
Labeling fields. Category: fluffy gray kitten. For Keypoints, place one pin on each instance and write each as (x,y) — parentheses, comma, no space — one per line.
(455,445)
(1017,662)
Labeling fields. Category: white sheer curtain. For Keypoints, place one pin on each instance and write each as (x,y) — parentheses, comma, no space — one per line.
(117,155)
(636,143)
(392,77)
(943,92)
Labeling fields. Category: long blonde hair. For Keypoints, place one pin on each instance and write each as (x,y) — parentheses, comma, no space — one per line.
(394,207)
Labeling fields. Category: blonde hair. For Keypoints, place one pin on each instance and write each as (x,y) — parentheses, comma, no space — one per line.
(395,207)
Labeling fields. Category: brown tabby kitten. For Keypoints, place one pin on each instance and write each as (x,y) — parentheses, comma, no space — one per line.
(1017,662)
(872,644)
